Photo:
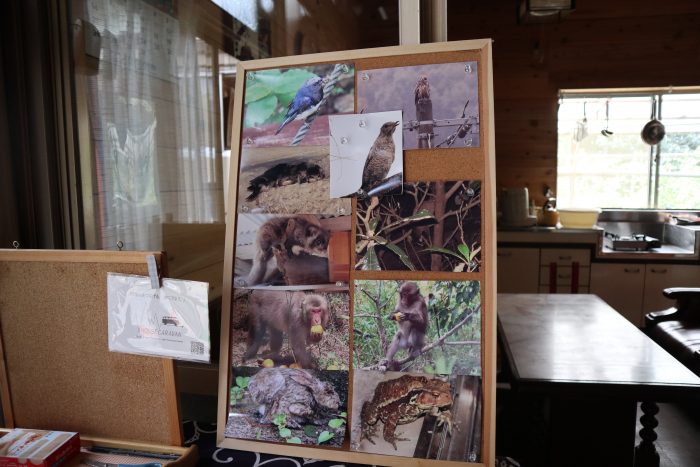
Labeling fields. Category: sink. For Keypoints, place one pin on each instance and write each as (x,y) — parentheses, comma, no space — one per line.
(675,239)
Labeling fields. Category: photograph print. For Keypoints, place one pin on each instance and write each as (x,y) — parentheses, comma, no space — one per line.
(417,415)
(431,327)
(432,226)
(290,106)
(440,102)
(366,154)
(288,405)
(291,250)
(287,180)
(291,328)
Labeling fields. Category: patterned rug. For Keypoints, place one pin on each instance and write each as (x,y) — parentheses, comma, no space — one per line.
(204,436)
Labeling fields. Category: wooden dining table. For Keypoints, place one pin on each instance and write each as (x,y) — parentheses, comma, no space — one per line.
(586,368)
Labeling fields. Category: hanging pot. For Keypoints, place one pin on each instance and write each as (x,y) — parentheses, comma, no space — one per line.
(605,131)
(654,131)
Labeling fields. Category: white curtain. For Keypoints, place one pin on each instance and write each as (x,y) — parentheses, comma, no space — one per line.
(154,120)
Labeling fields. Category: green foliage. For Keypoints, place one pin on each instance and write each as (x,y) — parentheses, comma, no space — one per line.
(268,95)
(238,389)
(336,422)
(463,254)
(294,440)
(325,436)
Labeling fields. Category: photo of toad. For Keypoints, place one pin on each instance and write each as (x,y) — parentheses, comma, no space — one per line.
(415,415)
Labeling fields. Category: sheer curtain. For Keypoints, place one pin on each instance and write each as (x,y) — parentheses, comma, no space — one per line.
(154,117)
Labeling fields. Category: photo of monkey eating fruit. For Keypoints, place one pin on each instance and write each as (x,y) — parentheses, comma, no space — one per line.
(431,327)
(294,329)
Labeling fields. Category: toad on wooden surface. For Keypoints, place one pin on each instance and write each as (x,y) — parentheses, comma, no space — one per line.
(298,394)
(403,400)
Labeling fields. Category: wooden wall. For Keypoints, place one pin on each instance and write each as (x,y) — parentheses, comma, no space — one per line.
(621,43)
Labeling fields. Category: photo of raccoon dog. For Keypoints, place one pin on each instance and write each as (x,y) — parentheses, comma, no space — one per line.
(284,174)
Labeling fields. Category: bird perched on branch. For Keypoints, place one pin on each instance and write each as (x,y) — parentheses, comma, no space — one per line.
(305,101)
(381,156)
(422,90)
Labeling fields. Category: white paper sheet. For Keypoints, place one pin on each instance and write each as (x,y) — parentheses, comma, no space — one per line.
(172,321)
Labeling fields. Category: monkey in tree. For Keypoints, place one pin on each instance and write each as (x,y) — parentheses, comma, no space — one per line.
(303,317)
(411,315)
(291,235)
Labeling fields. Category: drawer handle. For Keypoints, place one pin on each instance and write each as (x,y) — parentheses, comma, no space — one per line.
(565,258)
(659,271)
(633,270)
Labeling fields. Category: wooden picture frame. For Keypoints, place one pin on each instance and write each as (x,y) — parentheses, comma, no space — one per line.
(427,164)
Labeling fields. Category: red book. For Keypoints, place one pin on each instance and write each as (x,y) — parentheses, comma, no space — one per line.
(29,448)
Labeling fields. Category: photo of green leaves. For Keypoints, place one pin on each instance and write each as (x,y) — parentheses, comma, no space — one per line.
(432,226)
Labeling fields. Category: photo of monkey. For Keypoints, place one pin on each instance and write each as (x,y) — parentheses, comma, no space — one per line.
(287,180)
(294,250)
(440,102)
(291,328)
(288,405)
(290,106)
(431,327)
(416,415)
(432,226)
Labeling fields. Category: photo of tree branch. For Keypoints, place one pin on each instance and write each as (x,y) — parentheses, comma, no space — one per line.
(432,226)
(434,328)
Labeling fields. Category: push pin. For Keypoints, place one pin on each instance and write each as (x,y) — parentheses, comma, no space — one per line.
(468,142)
(249,141)
(363,123)
(120,245)
(468,68)
(470,192)
(251,75)
(364,76)
(345,68)
(15,245)
(344,140)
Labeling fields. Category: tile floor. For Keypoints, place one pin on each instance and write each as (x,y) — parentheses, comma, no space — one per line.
(679,436)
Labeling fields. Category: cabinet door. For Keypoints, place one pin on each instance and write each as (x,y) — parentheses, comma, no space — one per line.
(518,270)
(661,276)
(621,285)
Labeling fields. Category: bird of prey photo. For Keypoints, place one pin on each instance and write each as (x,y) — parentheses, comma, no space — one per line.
(380,157)
(305,101)
(422,90)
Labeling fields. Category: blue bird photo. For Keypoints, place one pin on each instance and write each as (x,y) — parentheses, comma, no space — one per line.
(306,99)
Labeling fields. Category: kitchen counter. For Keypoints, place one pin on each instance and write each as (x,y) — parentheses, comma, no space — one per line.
(593,237)
(549,235)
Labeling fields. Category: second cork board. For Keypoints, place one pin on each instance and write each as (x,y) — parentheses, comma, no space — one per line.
(58,373)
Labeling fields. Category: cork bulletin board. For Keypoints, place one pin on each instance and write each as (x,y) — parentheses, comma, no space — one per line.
(56,370)
(359,302)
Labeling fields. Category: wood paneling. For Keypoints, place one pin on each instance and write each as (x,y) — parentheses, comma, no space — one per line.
(626,43)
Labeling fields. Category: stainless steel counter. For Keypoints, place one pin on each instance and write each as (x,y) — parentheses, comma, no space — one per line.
(679,243)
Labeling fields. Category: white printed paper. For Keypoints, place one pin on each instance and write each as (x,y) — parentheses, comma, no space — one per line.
(172,321)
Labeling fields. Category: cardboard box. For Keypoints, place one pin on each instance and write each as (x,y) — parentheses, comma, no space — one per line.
(28,448)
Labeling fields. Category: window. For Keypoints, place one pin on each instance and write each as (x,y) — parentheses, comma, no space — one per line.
(604,163)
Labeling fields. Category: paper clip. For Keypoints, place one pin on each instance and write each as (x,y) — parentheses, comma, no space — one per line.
(153,271)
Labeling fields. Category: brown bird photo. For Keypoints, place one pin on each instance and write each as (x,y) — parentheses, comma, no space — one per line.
(422,90)
(366,154)
(380,157)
